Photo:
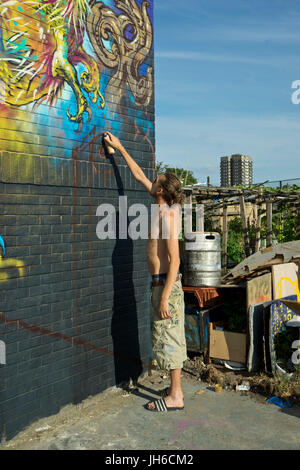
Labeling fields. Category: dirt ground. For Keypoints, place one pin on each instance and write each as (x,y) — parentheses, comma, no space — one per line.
(262,385)
(116,418)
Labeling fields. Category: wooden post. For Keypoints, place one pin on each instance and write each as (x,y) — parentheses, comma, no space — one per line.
(258,221)
(269,223)
(298,222)
(224,240)
(189,197)
(245,226)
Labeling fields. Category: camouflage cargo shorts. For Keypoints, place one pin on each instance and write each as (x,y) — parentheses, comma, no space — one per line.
(168,335)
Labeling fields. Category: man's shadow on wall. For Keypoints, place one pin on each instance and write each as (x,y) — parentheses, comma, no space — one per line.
(124,325)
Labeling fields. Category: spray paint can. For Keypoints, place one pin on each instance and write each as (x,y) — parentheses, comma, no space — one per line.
(110,150)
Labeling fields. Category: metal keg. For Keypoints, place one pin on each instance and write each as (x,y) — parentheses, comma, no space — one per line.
(202,260)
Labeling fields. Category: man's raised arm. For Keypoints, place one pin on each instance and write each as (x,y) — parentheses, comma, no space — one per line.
(135,169)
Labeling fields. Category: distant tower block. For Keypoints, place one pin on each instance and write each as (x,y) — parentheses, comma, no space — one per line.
(236,170)
(225,171)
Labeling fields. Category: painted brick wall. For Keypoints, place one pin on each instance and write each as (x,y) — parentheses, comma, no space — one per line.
(73,308)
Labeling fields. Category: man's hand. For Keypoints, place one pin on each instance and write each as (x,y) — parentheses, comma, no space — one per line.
(113,141)
(163,309)
(135,169)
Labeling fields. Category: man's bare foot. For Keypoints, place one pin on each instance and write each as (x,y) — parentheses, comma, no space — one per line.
(166,391)
(170,401)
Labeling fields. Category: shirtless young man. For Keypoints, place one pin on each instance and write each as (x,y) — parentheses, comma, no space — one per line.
(167,299)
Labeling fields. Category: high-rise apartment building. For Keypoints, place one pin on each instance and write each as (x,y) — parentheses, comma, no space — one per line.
(235,170)
(225,171)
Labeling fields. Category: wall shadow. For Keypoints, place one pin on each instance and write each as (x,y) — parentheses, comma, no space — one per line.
(124,325)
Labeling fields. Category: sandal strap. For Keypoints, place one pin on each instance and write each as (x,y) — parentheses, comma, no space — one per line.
(161,405)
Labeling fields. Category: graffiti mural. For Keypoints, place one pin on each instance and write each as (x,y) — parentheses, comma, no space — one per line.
(85,53)
(6,265)
(40,51)
(130,39)
(5,269)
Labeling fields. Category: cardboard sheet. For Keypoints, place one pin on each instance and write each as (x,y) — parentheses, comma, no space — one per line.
(227,345)
(259,290)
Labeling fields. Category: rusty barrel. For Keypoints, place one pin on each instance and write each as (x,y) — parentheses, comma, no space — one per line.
(202,260)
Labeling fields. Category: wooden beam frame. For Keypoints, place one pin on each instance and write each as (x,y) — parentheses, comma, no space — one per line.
(224,240)
(245,226)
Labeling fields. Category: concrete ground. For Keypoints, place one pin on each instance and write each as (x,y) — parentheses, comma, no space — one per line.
(117,420)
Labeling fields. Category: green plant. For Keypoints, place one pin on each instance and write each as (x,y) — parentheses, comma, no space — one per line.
(186,176)
(235,241)
(234,317)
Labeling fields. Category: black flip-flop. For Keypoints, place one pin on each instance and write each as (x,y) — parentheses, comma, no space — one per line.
(160,406)
(164,393)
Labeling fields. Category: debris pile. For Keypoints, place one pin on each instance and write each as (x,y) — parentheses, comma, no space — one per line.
(263,353)
(261,262)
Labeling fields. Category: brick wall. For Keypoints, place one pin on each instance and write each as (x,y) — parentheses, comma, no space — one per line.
(73,308)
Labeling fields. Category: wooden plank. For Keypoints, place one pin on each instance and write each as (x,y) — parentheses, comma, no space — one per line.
(259,290)
(245,226)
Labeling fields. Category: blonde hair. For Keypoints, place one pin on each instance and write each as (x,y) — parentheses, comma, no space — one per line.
(171,186)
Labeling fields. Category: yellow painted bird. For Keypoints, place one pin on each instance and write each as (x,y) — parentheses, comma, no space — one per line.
(41,41)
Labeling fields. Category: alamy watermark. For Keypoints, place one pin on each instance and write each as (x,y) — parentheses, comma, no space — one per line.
(2,352)
(165,221)
(296,94)
(296,354)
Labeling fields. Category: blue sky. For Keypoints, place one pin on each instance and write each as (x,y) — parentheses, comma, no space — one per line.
(223,76)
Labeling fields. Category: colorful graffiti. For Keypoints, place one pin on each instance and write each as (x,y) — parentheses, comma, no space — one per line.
(285,280)
(43,41)
(130,40)
(280,314)
(9,264)
(5,267)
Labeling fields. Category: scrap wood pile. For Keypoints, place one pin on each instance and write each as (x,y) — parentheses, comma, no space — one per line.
(217,202)
(262,261)
(273,311)
(250,323)
(269,281)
